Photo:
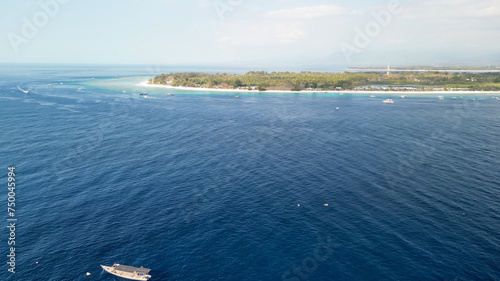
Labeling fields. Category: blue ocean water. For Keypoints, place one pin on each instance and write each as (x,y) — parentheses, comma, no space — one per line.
(206,186)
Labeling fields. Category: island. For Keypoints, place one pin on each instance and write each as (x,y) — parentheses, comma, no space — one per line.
(394,81)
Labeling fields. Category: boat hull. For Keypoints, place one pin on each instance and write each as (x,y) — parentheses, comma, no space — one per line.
(126,275)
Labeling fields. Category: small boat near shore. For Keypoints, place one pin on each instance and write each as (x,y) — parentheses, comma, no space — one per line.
(143,94)
(128,272)
(170,94)
(389,101)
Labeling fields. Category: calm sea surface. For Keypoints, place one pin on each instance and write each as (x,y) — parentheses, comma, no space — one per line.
(206,186)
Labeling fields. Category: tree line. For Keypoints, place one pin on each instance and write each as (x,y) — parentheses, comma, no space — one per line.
(262,80)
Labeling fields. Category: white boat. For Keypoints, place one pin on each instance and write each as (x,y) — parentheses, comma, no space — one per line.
(389,101)
(128,272)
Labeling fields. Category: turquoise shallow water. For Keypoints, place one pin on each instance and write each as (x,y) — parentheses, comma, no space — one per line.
(132,86)
(205,186)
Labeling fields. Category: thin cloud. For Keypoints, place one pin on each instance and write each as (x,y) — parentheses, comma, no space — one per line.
(455,9)
(310,12)
(260,33)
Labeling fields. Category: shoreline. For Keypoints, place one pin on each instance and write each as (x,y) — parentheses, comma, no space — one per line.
(425,70)
(146,84)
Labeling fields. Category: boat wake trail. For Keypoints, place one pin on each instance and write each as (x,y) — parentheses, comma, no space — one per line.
(20,89)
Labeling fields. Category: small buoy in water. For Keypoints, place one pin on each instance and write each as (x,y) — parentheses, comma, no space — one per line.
(36,262)
(326,205)
(338,108)
(88,273)
(298,205)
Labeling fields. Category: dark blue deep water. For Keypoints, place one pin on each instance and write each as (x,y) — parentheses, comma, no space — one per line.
(204,186)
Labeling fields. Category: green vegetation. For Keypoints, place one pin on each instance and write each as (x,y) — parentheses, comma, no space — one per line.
(262,80)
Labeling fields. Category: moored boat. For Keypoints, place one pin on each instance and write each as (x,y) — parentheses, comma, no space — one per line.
(128,272)
(389,101)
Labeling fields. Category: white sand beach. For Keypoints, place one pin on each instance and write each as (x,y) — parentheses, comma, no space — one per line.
(450,93)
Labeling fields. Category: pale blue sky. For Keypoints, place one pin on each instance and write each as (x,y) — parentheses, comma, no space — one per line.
(295,32)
